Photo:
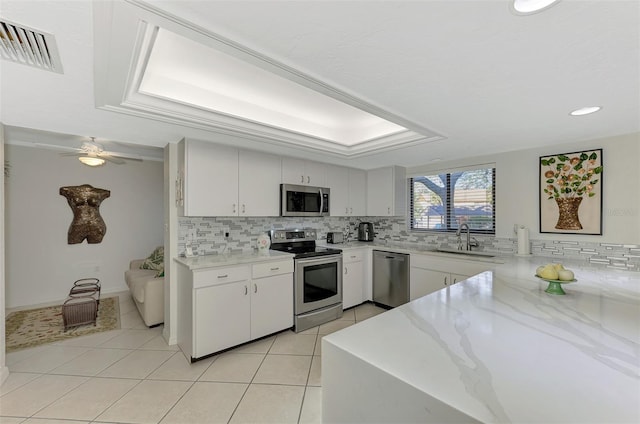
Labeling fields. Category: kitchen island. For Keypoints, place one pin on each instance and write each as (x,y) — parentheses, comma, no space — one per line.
(494,348)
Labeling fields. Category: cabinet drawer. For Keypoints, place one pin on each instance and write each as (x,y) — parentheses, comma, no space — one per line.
(352,256)
(267,269)
(215,276)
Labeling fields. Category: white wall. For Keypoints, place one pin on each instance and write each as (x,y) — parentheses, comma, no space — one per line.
(517,188)
(40,265)
(4,371)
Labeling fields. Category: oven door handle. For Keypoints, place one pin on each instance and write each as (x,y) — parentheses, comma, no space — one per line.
(319,260)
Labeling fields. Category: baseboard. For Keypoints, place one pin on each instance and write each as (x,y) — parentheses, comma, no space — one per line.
(4,374)
(170,340)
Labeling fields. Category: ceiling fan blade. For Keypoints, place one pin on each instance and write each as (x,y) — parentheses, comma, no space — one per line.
(54,147)
(112,159)
(72,154)
(123,155)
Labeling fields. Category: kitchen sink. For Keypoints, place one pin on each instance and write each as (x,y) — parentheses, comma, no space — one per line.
(467,253)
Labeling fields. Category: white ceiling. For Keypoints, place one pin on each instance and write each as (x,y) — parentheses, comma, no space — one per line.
(487,80)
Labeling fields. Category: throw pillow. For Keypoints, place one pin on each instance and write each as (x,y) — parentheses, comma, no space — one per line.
(155,261)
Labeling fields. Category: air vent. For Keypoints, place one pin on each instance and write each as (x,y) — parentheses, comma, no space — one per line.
(29,47)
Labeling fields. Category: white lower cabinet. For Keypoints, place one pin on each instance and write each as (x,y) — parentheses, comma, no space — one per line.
(221,317)
(271,300)
(222,307)
(430,273)
(353,276)
(425,281)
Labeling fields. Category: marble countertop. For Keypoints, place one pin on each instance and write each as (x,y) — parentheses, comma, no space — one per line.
(498,348)
(210,261)
(411,248)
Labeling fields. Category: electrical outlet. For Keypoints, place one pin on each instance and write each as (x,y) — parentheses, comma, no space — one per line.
(226,234)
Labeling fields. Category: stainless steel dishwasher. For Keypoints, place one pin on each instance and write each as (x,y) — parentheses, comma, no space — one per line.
(390,278)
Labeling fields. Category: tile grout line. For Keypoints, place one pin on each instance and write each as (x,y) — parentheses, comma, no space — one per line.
(304,394)
(251,382)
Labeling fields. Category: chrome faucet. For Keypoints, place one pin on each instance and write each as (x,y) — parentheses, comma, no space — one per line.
(470,243)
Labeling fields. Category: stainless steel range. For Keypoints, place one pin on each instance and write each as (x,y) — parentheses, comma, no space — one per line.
(317,275)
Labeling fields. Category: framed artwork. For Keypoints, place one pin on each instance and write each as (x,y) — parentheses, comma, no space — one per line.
(571,193)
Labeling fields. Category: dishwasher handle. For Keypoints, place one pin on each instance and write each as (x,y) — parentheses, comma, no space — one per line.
(395,258)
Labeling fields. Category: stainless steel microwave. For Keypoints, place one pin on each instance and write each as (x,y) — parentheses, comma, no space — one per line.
(298,200)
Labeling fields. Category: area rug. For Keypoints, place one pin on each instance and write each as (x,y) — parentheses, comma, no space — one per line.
(34,327)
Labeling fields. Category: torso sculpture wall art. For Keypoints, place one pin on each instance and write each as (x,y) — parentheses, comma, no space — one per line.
(87,223)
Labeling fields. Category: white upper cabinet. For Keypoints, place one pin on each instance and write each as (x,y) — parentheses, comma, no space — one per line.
(348,191)
(259,184)
(223,181)
(303,172)
(357,192)
(209,174)
(387,191)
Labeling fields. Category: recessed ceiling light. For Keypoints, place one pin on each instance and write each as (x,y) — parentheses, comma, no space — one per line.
(527,7)
(585,110)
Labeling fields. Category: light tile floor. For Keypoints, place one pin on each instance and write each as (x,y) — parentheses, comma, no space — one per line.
(132,376)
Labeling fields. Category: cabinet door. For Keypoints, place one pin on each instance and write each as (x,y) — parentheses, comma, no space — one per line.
(337,181)
(426,281)
(221,317)
(293,171)
(352,284)
(210,180)
(259,184)
(456,278)
(379,192)
(302,172)
(387,191)
(315,174)
(271,304)
(357,192)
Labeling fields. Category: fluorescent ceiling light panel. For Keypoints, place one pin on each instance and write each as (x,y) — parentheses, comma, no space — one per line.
(185,71)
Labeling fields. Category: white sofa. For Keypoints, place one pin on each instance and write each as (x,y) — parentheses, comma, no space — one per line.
(147,291)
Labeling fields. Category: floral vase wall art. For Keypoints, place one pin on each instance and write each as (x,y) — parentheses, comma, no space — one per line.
(571,193)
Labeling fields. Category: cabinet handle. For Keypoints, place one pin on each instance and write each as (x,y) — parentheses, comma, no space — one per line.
(353,256)
(243,208)
(455,280)
(246,290)
(234,208)
(308,179)
(302,179)
(346,211)
(445,281)
(255,288)
(275,269)
(351,211)
(223,276)
(346,270)
(389,211)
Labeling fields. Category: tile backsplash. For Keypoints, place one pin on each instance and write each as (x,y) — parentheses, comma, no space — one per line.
(206,235)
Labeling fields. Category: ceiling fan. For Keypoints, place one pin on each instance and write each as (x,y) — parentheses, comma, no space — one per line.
(92,153)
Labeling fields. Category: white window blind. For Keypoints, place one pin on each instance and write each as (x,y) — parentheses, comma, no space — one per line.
(445,200)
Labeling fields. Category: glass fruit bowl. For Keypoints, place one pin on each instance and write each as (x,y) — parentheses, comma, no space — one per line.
(555,286)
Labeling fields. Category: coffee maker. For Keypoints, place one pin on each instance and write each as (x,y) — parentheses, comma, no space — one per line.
(365,231)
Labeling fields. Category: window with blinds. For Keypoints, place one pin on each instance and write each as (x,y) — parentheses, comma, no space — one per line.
(444,201)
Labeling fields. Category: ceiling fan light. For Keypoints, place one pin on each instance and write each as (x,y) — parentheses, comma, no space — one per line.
(91,160)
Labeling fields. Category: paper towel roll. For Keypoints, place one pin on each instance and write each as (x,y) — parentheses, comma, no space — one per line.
(523,240)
